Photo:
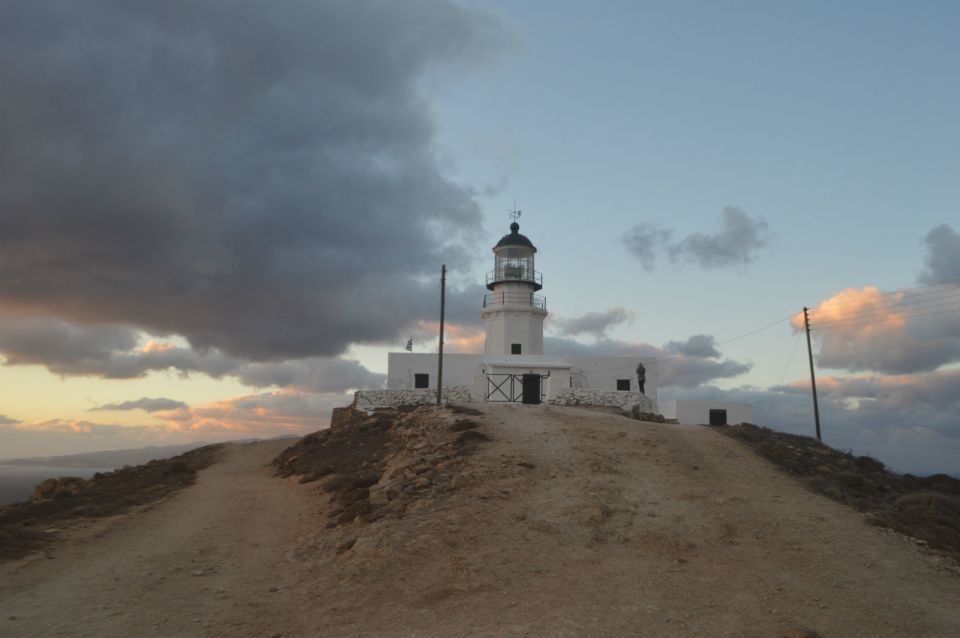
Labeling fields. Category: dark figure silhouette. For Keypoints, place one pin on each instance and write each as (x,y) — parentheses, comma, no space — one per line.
(641,377)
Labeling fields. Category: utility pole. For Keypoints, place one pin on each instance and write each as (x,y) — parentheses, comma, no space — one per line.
(443,303)
(813,378)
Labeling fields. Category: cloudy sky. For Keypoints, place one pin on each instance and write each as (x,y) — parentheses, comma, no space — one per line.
(216,218)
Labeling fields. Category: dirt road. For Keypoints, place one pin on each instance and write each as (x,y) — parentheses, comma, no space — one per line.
(209,556)
(569,523)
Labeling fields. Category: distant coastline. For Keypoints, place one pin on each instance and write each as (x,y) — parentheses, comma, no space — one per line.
(17,481)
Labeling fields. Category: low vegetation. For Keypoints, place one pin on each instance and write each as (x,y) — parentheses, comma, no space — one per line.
(28,526)
(926,508)
(376,466)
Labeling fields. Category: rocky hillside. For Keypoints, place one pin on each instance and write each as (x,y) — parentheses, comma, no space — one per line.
(925,508)
(549,521)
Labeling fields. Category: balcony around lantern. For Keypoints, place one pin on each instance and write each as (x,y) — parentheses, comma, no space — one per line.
(514,299)
(514,273)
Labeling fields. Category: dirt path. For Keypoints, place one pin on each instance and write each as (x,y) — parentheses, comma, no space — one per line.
(569,523)
(202,563)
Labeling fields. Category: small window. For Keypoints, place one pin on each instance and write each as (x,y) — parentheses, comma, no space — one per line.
(421,380)
(515,348)
(623,385)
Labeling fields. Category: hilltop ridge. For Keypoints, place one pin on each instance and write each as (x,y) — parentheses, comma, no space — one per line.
(517,520)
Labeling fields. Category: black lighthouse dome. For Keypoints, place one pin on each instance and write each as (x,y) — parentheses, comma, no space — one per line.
(515,239)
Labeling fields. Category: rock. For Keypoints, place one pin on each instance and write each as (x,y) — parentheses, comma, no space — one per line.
(378,497)
(197,572)
(422,483)
(460,481)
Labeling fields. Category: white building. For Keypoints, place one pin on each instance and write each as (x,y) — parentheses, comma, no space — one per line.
(513,366)
(694,412)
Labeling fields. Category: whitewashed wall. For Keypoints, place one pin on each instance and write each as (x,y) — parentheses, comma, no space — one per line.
(696,412)
(605,398)
(458,369)
(601,373)
(372,399)
(506,325)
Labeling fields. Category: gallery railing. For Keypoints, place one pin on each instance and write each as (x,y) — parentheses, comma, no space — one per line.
(514,299)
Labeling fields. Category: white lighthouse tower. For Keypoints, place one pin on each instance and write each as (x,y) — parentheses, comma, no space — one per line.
(512,311)
(513,366)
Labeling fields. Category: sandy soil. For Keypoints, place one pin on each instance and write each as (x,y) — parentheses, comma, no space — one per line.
(569,523)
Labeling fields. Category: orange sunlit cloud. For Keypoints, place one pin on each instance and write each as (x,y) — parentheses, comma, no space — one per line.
(867,309)
(154,346)
(456,337)
(267,414)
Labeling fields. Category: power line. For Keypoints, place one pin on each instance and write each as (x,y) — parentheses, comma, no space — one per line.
(912,301)
(888,313)
(870,321)
(704,349)
(775,402)
(722,343)
(951,283)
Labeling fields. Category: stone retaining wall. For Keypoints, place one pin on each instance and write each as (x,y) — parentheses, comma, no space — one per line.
(606,398)
(372,399)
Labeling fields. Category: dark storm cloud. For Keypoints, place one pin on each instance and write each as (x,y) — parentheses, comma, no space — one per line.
(311,375)
(113,352)
(738,242)
(592,323)
(938,391)
(696,346)
(146,404)
(644,241)
(257,177)
(943,256)
(673,370)
(921,435)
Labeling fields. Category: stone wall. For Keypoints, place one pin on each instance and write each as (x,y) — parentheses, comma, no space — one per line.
(372,399)
(606,398)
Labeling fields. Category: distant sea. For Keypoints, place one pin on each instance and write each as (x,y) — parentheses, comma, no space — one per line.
(17,481)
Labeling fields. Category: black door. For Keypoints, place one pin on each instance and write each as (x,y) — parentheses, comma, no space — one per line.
(531,388)
(718,417)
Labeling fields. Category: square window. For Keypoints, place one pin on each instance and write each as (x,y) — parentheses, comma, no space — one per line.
(421,380)
(623,385)
(515,348)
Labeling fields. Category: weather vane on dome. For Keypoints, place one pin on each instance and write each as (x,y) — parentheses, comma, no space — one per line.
(515,214)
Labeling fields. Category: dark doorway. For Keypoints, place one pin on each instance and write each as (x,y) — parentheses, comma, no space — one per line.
(718,417)
(421,380)
(531,388)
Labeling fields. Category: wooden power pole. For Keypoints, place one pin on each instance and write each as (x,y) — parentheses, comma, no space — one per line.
(443,303)
(813,378)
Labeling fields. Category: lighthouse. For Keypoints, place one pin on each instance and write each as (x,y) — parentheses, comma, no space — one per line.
(513,367)
(513,312)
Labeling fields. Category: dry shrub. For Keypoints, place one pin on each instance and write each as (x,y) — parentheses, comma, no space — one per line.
(927,508)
